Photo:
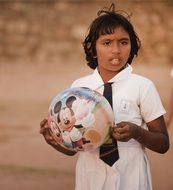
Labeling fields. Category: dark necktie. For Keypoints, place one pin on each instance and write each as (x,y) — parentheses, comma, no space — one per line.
(109,150)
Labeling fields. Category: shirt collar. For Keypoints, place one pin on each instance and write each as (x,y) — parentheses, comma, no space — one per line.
(97,82)
(124,74)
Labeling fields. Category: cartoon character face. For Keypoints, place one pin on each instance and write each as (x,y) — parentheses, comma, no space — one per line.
(66,119)
(65,115)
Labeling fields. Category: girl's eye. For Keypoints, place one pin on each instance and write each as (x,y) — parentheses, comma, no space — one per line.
(124,42)
(107,43)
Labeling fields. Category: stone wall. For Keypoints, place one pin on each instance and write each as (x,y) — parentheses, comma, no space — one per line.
(52,31)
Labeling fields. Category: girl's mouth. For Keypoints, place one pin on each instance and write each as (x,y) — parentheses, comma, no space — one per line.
(115,61)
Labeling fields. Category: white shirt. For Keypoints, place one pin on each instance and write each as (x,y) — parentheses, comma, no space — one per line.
(136,100)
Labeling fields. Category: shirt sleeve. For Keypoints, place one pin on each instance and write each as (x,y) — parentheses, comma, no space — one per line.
(150,103)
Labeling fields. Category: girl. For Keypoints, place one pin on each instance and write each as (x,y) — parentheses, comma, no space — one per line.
(110,47)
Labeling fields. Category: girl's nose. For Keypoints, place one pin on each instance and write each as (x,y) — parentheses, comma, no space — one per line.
(115,48)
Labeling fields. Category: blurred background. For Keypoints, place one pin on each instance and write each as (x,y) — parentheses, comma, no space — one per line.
(40,55)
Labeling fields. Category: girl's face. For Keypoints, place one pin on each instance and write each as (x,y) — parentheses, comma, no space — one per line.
(113,51)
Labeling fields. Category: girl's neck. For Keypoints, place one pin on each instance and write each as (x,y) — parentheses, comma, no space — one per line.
(106,75)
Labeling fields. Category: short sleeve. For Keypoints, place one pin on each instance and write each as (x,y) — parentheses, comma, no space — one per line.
(150,102)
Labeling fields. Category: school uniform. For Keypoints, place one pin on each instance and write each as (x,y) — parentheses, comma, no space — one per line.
(135,100)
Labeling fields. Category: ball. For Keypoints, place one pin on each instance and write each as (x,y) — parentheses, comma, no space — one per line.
(80,119)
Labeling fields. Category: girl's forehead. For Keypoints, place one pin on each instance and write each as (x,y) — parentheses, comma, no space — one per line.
(117,31)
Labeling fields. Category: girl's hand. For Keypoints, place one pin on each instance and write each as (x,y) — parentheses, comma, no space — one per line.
(124,131)
(45,131)
(154,138)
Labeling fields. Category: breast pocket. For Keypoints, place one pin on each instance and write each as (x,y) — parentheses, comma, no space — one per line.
(125,106)
(128,111)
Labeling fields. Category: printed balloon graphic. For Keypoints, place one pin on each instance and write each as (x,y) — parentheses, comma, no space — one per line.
(80,119)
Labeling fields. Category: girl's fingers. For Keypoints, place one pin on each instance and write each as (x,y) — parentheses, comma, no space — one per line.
(121,137)
(119,130)
(43,126)
(120,134)
(43,123)
(48,137)
(44,129)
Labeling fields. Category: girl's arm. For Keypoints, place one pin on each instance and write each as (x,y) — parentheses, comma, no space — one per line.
(44,130)
(155,138)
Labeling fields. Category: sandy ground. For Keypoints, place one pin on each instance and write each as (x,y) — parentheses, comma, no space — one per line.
(26,161)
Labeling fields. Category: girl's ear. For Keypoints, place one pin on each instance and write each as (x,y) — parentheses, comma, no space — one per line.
(57,107)
(70,101)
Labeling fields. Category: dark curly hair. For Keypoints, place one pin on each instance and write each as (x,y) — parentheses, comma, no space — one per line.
(106,22)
